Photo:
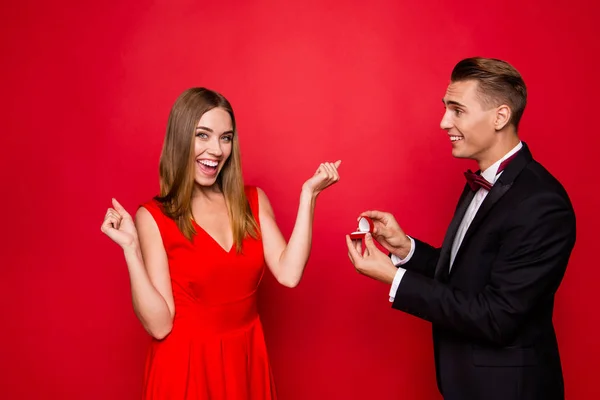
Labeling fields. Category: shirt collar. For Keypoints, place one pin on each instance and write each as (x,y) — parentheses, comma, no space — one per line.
(491,173)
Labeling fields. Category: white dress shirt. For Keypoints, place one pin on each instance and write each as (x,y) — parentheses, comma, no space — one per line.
(491,175)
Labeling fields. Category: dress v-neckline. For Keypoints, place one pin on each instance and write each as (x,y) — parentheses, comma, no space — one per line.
(212,238)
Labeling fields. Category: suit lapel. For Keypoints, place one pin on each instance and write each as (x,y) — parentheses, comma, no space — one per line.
(442,266)
(502,185)
(492,198)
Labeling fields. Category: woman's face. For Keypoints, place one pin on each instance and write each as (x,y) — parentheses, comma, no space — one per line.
(212,145)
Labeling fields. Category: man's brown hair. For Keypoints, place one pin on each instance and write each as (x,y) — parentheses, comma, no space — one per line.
(498,83)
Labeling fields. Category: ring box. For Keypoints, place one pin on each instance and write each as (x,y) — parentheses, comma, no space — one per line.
(365,225)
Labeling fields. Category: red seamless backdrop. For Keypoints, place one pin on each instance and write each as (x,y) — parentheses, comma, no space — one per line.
(86,91)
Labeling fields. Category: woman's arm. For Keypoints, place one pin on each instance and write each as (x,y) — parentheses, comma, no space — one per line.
(287,260)
(148,267)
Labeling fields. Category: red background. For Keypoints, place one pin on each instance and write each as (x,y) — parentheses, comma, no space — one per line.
(86,91)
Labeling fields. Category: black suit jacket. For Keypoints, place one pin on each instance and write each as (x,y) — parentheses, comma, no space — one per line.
(492,312)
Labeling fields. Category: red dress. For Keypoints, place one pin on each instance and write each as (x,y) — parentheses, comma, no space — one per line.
(216,349)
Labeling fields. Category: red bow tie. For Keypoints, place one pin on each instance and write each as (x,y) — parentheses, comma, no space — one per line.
(477,181)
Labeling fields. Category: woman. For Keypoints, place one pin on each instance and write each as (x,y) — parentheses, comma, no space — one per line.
(196,255)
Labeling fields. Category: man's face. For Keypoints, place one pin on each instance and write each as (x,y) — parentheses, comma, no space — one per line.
(469,123)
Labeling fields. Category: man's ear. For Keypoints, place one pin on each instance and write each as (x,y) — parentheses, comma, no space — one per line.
(503,115)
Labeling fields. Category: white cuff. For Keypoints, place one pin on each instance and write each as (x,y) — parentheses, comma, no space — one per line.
(396,283)
(399,261)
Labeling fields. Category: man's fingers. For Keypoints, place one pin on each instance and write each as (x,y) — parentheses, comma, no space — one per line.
(354,254)
(369,245)
(375,215)
(380,230)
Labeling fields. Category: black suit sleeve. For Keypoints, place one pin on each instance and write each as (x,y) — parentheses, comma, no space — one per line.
(423,260)
(533,253)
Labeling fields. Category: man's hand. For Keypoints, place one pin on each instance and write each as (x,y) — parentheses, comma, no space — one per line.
(373,263)
(388,233)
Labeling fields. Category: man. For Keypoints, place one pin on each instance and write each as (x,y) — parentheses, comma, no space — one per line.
(489,290)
